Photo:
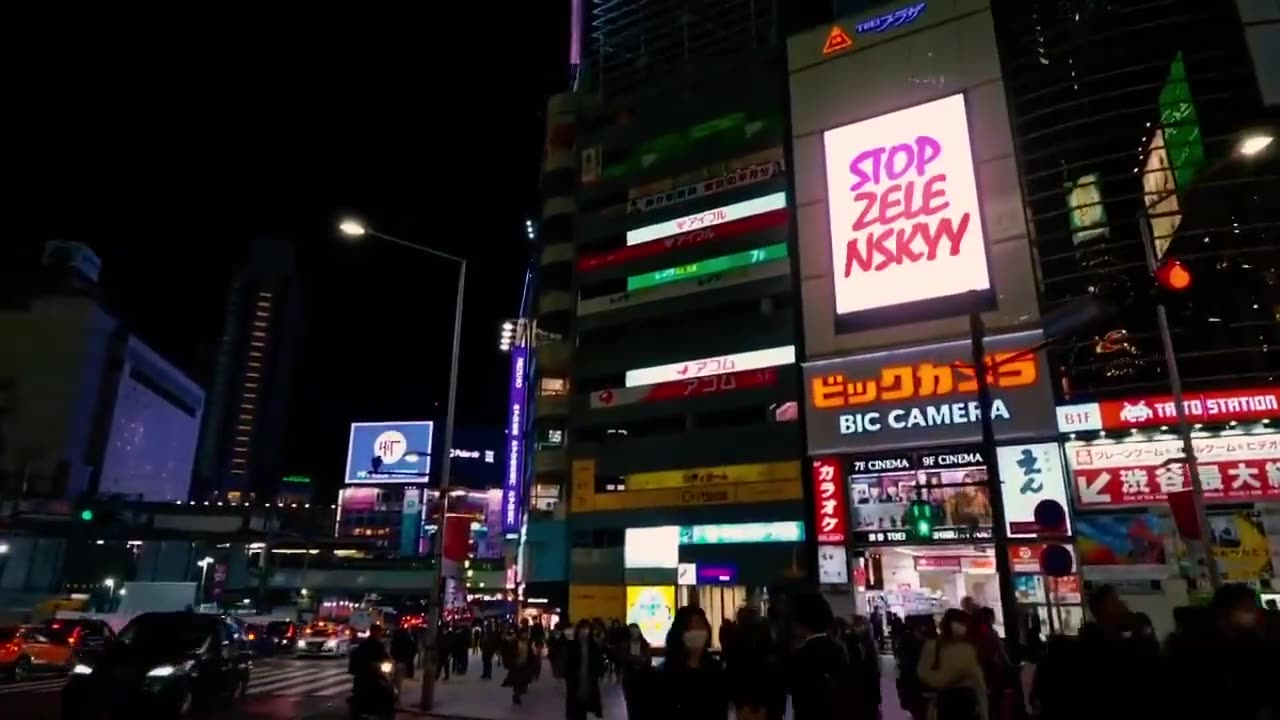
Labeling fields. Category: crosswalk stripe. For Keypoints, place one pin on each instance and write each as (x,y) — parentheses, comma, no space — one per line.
(33,686)
(342,689)
(257,677)
(295,684)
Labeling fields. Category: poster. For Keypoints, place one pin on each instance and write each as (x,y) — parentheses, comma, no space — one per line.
(1241,546)
(1123,546)
(652,607)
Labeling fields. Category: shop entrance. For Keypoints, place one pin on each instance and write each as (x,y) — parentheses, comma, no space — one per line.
(721,603)
(895,583)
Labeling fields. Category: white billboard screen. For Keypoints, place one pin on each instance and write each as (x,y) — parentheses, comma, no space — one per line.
(903,208)
(753,360)
(716,216)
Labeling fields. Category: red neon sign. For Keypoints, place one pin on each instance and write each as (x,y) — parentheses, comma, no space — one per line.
(685,388)
(763,221)
(1212,406)
(830,513)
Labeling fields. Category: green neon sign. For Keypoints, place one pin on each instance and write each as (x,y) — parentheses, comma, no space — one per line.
(741,533)
(300,479)
(708,267)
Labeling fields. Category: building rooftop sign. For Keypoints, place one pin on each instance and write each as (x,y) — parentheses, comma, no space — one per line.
(837,41)
(890,20)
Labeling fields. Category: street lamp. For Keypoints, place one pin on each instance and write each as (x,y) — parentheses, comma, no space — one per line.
(204,570)
(1249,147)
(354,228)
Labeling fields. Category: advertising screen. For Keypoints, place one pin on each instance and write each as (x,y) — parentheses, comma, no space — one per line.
(926,396)
(513,479)
(737,533)
(680,389)
(389,452)
(652,607)
(1123,547)
(736,362)
(701,283)
(904,218)
(709,218)
(710,266)
(652,547)
(881,489)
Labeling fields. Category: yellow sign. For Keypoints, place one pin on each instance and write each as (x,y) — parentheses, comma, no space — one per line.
(724,475)
(756,492)
(597,601)
(652,607)
(582,476)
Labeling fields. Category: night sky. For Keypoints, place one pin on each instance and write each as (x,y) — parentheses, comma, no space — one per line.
(169,151)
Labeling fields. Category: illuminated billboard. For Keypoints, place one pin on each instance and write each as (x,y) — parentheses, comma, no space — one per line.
(906,231)
(710,266)
(702,367)
(708,218)
(389,452)
(617,256)
(513,480)
(666,291)
(1160,194)
(652,607)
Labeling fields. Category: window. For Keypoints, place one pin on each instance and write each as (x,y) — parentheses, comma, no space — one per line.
(553,387)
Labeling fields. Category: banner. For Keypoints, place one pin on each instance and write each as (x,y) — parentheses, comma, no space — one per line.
(754,223)
(702,367)
(707,218)
(582,475)
(1233,468)
(1128,547)
(773,154)
(1213,406)
(728,181)
(758,492)
(830,510)
(1240,545)
(729,278)
(722,475)
(678,389)
(597,601)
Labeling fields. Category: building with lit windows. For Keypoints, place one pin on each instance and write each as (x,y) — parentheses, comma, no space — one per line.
(665,326)
(240,443)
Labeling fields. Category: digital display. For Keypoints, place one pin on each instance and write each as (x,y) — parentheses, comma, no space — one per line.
(652,547)
(717,216)
(652,607)
(953,483)
(752,360)
(902,201)
(389,452)
(708,267)
(759,532)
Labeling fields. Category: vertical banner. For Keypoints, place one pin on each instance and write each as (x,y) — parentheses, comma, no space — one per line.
(513,481)
(830,514)
(410,521)
(456,537)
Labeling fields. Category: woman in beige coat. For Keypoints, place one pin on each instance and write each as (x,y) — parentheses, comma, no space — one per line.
(949,667)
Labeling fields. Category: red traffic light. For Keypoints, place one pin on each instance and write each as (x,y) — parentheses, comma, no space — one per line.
(1173,276)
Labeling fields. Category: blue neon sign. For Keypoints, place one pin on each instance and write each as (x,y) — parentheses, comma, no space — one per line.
(891,20)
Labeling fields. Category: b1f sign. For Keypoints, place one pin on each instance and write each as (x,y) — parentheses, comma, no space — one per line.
(906,231)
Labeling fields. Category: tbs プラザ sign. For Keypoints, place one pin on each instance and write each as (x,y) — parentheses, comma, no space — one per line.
(903,209)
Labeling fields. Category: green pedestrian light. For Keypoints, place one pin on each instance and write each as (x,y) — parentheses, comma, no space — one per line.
(86,515)
(920,519)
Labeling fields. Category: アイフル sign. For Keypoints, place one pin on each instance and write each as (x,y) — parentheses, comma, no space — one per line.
(905,224)
(927,396)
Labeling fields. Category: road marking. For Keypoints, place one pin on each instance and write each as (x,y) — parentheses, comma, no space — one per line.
(33,686)
(299,683)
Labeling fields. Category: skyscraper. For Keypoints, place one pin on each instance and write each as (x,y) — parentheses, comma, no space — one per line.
(240,443)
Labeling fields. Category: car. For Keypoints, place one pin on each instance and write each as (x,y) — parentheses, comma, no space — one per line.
(86,636)
(162,664)
(280,635)
(324,639)
(28,650)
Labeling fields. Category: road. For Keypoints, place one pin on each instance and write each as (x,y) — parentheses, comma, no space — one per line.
(317,689)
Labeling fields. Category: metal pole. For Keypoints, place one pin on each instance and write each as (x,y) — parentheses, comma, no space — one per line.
(999,531)
(1184,426)
(433,658)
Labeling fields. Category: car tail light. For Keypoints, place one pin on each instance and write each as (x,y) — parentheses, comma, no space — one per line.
(253,636)
(290,633)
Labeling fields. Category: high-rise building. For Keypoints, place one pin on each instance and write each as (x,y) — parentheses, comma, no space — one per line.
(1121,122)
(240,445)
(665,327)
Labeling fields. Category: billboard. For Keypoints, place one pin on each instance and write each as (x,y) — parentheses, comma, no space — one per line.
(729,180)
(1029,475)
(652,607)
(737,228)
(1086,214)
(728,278)
(953,482)
(708,218)
(925,396)
(721,475)
(677,389)
(390,452)
(709,266)
(1233,468)
(702,367)
(513,480)
(739,494)
(1209,406)
(902,202)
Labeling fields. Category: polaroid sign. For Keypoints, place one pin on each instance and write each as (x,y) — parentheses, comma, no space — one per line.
(513,482)
(927,396)
(902,204)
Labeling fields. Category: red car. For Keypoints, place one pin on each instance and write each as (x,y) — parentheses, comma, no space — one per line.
(28,650)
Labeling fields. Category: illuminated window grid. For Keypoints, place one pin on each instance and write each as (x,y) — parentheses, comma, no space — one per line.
(707,267)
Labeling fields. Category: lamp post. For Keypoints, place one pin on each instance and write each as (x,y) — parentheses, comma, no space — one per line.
(204,570)
(1249,147)
(354,229)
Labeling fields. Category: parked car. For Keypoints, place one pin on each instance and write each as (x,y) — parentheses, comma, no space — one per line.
(86,636)
(162,664)
(28,650)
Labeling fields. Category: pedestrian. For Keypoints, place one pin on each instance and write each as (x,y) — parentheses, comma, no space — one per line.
(864,667)
(1220,670)
(403,652)
(461,649)
(636,669)
(1118,658)
(997,670)
(752,668)
(821,685)
(583,669)
(519,669)
(444,652)
(555,650)
(913,633)
(490,644)
(538,637)
(949,666)
(692,682)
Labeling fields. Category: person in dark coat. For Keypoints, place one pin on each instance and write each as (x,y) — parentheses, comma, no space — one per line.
(864,667)
(519,661)
(637,671)
(583,668)
(693,685)
(821,687)
(490,644)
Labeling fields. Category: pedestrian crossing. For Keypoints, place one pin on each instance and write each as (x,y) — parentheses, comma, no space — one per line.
(283,677)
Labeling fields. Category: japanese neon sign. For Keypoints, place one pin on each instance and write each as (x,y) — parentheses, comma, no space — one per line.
(891,20)
(830,514)
(709,218)
(737,362)
(1210,406)
(513,481)
(708,267)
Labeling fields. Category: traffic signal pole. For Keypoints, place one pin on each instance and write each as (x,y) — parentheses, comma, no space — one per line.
(999,529)
(1184,426)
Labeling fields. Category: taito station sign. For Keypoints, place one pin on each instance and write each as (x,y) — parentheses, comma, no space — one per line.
(1210,406)
(903,210)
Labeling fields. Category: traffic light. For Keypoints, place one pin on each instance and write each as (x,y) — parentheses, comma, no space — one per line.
(87,514)
(1173,277)
(920,519)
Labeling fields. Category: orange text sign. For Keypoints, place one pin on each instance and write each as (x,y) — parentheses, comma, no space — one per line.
(922,380)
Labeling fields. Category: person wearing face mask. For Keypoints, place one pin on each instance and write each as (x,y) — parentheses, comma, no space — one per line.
(635,666)
(949,666)
(692,685)
(1223,664)
(864,661)
(583,668)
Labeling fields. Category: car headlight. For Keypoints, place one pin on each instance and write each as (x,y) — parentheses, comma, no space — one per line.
(385,667)
(163,671)
(302,644)
(331,643)
(81,669)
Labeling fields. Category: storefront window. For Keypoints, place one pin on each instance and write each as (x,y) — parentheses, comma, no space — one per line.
(553,387)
